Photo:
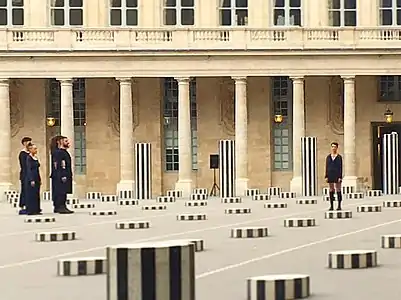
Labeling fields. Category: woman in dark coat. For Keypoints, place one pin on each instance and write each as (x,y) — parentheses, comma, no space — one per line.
(33,182)
(334,175)
(22,157)
(54,147)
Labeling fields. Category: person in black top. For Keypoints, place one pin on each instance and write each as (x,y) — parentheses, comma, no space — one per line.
(54,146)
(33,182)
(63,175)
(22,162)
(334,175)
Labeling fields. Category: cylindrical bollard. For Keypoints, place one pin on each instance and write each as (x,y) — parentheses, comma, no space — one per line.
(151,271)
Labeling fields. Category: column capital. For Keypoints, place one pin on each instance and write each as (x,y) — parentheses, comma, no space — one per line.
(183,80)
(297,78)
(239,79)
(348,78)
(65,81)
(123,80)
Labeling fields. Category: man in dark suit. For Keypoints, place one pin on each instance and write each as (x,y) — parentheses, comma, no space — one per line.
(63,175)
(334,175)
(22,157)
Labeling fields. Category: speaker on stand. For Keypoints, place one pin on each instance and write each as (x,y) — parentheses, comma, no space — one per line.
(214,165)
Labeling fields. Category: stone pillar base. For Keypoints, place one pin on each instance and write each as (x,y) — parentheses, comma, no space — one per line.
(125,185)
(4,186)
(185,186)
(355,182)
(296,185)
(241,185)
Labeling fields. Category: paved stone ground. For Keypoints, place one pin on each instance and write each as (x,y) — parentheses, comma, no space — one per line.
(28,268)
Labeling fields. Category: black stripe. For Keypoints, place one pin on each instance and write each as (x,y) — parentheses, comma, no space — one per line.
(67,268)
(298,291)
(175,256)
(82,268)
(391,242)
(248,289)
(355,263)
(99,266)
(148,272)
(369,260)
(340,261)
(280,289)
(192,271)
(260,290)
(122,274)
(330,260)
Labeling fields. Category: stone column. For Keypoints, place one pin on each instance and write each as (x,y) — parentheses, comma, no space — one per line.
(5,138)
(126,137)
(67,118)
(241,136)
(298,131)
(184,182)
(349,168)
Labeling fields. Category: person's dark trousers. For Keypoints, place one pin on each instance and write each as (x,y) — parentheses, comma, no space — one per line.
(54,193)
(22,196)
(331,198)
(340,199)
(61,206)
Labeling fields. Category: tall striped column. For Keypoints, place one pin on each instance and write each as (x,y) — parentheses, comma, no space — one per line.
(143,171)
(227,168)
(390,164)
(309,165)
(157,271)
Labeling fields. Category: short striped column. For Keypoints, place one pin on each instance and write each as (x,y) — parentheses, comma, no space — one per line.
(390,164)
(158,271)
(309,165)
(143,171)
(227,168)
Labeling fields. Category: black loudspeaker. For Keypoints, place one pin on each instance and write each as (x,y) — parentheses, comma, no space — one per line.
(214,161)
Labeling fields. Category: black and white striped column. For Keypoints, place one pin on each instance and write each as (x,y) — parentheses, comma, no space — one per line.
(309,165)
(157,271)
(143,171)
(227,168)
(390,164)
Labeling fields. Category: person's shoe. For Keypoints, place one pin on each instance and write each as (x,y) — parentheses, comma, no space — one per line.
(64,211)
(22,211)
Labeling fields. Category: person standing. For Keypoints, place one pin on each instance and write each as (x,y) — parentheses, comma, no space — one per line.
(334,175)
(54,147)
(22,157)
(33,181)
(63,175)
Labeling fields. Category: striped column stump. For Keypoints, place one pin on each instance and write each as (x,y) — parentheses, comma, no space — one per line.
(274,191)
(82,266)
(374,193)
(369,208)
(198,197)
(83,206)
(196,203)
(154,207)
(131,202)
(231,200)
(391,241)
(227,168)
(300,222)
(56,236)
(143,171)
(278,287)
(165,199)
(237,211)
(191,217)
(353,259)
(72,201)
(339,214)
(103,213)
(392,203)
(200,191)
(40,220)
(347,190)
(47,196)
(198,243)
(249,232)
(306,201)
(174,193)
(124,195)
(288,195)
(133,225)
(275,205)
(157,271)
(390,164)
(261,197)
(252,192)
(93,195)
(355,196)
(109,198)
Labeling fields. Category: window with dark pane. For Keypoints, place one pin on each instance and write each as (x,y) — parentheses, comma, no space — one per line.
(287,13)
(282,133)
(390,12)
(342,13)
(390,88)
(233,12)
(11,12)
(179,12)
(170,119)
(79,114)
(66,12)
(124,13)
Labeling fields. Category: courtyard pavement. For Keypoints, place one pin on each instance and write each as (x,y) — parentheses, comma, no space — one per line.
(28,269)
